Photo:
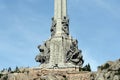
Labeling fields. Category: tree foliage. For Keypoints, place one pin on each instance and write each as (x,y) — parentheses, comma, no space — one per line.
(17,70)
(9,69)
(86,68)
(106,66)
(1,75)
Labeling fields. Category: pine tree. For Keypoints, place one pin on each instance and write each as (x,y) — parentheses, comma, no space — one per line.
(3,70)
(9,69)
(88,67)
(17,69)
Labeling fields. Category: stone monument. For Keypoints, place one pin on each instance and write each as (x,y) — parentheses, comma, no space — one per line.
(61,50)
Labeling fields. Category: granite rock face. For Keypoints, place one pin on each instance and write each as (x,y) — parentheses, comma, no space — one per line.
(48,74)
(109,71)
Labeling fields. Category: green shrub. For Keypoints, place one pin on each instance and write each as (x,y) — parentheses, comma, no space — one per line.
(85,68)
(17,70)
(106,66)
(1,75)
(5,77)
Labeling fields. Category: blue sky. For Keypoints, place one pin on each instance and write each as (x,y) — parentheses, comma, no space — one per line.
(24,24)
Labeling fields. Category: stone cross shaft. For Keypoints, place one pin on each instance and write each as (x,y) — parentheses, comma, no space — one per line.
(60,13)
(60,9)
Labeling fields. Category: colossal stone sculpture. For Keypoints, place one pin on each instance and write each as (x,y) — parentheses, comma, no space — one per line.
(61,50)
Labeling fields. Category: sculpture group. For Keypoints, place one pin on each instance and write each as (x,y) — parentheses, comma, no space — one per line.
(61,49)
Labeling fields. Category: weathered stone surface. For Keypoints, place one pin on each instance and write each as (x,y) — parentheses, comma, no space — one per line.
(49,74)
(109,71)
(61,50)
(44,55)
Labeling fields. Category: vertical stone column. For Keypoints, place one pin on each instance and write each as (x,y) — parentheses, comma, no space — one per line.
(58,17)
(57,52)
(55,9)
(64,8)
(60,11)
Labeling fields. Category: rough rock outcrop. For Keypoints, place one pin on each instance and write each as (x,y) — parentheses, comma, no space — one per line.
(48,74)
(109,71)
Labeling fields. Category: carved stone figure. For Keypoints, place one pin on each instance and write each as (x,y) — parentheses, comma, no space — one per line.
(40,58)
(65,23)
(74,54)
(44,55)
(53,28)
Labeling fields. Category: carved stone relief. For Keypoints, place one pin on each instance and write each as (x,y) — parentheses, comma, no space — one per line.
(53,28)
(44,55)
(74,54)
(65,27)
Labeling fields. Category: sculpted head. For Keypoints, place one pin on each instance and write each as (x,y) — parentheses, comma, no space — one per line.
(41,48)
